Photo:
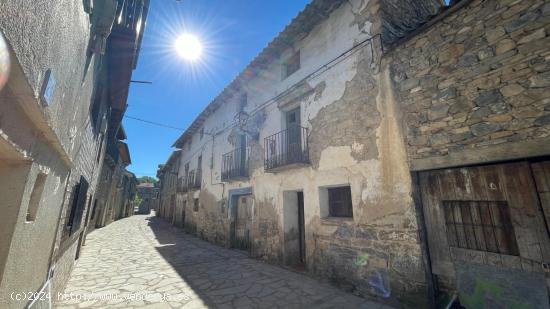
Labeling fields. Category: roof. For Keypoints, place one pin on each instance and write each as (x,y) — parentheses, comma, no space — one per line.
(121,133)
(124,153)
(298,28)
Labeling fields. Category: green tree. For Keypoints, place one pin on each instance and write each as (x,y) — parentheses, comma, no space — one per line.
(144,179)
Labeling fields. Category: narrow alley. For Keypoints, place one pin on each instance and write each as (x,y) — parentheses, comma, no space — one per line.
(143,262)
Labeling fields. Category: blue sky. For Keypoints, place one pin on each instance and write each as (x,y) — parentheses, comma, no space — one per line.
(233,33)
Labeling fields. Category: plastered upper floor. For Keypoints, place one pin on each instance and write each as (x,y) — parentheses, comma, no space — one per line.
(470,87)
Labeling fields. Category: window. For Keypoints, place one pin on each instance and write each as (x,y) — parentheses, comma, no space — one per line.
(48,88)
(243,102)
(95,108)
(36,195)
(100,147)
(339,202)
(292,64)
(201,133)
(480,225)
(196,205)
(77,206)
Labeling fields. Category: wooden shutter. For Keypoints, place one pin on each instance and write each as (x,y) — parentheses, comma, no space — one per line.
(80,204)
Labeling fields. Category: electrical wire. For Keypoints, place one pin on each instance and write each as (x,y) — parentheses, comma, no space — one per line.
(154,123)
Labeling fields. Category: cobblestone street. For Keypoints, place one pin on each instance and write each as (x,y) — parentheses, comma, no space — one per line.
(142,261)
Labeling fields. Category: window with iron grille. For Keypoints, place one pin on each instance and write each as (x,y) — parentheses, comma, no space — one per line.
(339,202)
(480,225)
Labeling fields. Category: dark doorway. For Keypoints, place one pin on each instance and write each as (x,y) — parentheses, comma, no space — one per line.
(301,224)
(242,214)
(183,213)
(294,229)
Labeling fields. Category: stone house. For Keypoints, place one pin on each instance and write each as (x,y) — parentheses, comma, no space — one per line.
(149,194)
(396,148)
(71,64)
(170,198)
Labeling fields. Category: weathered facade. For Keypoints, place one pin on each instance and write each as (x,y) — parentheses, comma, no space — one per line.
(169,194)
(67,87)
(117,187)
(346,148)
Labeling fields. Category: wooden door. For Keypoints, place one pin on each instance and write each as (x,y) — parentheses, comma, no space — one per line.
(485,215)
(293,136)
(243,222)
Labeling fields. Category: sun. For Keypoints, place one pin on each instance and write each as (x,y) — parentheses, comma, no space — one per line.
(189,47)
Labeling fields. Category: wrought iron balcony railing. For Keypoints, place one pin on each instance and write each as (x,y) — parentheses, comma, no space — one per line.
(235,164)
(194,179)
(182,185)
(287,147)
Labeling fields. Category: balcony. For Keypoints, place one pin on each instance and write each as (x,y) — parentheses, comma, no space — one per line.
(235,164)
(287,148)
(130,16)
(194,179)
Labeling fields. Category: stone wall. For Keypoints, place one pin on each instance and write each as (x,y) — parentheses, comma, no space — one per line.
(477,78)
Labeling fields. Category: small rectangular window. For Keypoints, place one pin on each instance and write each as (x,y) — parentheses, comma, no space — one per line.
(36,195)
(201,133)
(292,64)
(196,205)
(339,202)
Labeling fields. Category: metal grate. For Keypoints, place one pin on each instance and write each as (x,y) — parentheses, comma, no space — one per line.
(480,225)
(339,202)
(235,164)
(287,147)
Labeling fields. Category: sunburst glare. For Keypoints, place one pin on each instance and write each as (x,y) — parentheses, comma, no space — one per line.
(185,46)
(189,47)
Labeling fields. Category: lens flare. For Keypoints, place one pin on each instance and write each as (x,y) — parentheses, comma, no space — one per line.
(4,62)
(189,47)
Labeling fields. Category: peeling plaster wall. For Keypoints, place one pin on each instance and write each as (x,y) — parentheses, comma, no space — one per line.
(355,138)
(58,139)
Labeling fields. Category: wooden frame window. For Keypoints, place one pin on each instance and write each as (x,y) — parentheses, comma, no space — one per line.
(292,64)
(339,202)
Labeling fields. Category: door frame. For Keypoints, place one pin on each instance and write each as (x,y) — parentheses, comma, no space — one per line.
(419,203)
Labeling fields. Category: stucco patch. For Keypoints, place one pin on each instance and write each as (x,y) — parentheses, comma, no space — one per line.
(336,157)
